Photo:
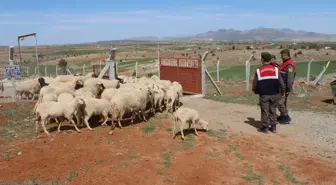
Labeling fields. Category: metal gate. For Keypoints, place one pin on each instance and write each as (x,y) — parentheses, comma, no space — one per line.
(186,71)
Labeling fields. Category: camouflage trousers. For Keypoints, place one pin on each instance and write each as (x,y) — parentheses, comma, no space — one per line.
(268,106)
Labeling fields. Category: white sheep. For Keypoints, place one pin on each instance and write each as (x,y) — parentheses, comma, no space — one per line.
(55,90)
(47,110)
(108,94)
(184,116)
(172,97)
(95,90)
(65,98)
(95,106)
(29,86)
(107,83)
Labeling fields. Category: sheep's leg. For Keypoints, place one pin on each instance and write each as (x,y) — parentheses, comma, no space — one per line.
(119,123)
(33,96)
(36,126)
(105,120)
(86,121)
(74,124)
(143,116)
(43,122)
(181,130)
(174,128)
(194,125)
(59,125)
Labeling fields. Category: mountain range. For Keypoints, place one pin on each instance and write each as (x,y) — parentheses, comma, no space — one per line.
(256,34)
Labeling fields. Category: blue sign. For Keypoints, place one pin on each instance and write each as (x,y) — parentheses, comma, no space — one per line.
(13,71)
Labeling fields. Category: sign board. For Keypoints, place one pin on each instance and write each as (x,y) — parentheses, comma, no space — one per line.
(13,71)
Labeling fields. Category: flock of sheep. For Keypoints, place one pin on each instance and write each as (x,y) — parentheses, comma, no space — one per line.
(78,98)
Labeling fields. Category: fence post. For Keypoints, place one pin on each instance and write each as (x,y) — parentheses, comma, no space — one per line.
(116,65)
(247,72)
(35,70)
(27,71)
(84,69)
(136,69)
(218,70)
(56,70)
(318,78)
(45,71)
(308,71)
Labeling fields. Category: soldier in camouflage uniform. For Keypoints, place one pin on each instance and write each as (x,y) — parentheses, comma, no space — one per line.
(287,70)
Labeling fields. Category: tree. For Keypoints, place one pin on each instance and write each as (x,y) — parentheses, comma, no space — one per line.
(63,66)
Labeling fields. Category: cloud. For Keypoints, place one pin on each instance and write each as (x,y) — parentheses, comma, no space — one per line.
(174,17)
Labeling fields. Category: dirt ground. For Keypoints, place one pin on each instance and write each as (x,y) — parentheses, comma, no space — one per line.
(231,152)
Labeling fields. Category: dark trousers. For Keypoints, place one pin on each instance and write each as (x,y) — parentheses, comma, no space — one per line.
(283,106)
(268,106)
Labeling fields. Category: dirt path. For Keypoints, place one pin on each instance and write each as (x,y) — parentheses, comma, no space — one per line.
(232,152)
(307,127)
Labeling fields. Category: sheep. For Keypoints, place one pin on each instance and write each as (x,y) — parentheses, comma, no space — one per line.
(47,110)
(72,84)
(95,106)
(55,90)
(67,78)
(95,90)
(65,98)
(107,83)
(134,102)
(30,86)
(42,82)
(172,96)
(188,116)
(108,94)
(159,97)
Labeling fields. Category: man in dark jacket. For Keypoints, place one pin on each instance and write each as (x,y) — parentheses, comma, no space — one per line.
(268,84)
(288,72)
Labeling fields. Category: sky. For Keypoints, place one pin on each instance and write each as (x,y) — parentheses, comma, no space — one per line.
(78,21)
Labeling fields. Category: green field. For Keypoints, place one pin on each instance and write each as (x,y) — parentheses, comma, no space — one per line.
(238,72)
(77,67)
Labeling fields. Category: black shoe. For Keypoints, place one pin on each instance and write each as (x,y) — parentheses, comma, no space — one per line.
(280,118)
(273,128)
(263,129)
(285,120)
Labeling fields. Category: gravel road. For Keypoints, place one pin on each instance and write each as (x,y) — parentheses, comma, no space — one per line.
(310,127)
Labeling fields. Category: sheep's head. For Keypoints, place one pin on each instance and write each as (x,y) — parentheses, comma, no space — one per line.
(204,124)
(79,83)
(100,88)
(42,82)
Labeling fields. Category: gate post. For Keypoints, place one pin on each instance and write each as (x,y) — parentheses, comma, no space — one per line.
(203,68)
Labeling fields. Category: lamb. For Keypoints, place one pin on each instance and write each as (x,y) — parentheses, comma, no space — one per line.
(185,116)
(47,110)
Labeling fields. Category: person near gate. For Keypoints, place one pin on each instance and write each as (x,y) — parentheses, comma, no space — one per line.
(269,85)
(287,71)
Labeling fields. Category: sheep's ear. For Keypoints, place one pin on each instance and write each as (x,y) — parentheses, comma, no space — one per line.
(164,90)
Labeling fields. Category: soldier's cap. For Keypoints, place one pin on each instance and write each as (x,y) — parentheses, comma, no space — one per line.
(285,51)
(266,56)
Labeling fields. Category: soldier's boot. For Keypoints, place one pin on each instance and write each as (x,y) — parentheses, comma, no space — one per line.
(263,129)
(284,119)
(273,128)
